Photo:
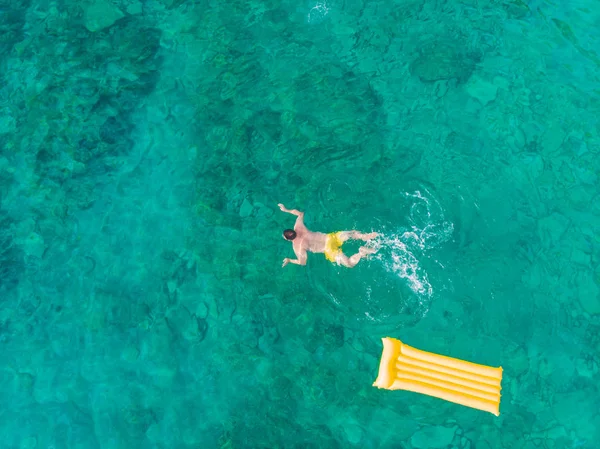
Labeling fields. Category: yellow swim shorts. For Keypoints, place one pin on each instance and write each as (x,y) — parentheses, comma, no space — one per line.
(332,246)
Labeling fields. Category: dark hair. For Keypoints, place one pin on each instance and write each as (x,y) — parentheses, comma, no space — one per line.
(289,234)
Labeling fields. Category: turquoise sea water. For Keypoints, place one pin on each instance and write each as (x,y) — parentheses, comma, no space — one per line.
(144,148)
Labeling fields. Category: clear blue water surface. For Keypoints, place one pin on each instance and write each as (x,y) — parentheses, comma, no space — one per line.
(144,147)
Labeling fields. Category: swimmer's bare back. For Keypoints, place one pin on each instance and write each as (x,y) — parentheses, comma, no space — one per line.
(304,240)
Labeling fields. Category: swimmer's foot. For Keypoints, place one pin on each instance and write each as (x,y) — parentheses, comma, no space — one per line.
(364,251)
(370,236)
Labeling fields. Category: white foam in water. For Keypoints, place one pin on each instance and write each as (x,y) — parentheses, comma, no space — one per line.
(401,251)
(318,12)
(406,265)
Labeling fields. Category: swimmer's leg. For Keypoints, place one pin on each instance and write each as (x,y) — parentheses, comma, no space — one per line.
(346,261)
(369,236)
(356,235)
(351,261)
(364,251)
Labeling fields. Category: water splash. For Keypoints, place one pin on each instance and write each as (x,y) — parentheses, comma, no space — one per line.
(318,12)
(402,251)
(405,263)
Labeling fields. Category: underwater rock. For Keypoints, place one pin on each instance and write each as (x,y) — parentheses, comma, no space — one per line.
(441,88)
(333,335)
(113,129)
(587,367)
(432,437)
(12,24)
(101,14)
(552,228)
(438,61)
(519,360)
(517,9)
(130,353)
(481,89)
(134,8)
(34,245)
(552,139)
(589,293)
(186,325)
(28,443)
(553,432)
(11,258)
(528,166)
(337,110)
(7,123)
(263,210)
(322,334)
(246,208)
(172,4)
(354,434)
(580,257)
(582,421)
(267,339)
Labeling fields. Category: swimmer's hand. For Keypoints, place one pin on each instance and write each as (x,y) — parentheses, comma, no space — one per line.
(294,261)
(293,211)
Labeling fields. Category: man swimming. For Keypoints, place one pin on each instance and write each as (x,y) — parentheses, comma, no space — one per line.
(304,240)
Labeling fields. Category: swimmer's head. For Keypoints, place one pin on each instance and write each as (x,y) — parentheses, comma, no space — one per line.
(289,234)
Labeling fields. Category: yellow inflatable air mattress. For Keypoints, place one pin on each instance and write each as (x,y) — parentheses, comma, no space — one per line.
(405,368)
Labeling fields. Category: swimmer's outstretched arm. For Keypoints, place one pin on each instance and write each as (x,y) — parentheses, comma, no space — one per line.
(294,261)
(293,211)
(301,257)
